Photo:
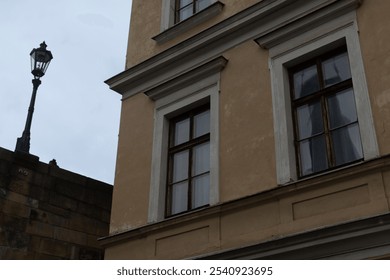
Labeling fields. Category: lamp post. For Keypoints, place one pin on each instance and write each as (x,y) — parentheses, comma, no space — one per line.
(40,60)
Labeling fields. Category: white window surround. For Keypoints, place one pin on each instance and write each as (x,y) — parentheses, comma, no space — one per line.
(339,31)
(203,91)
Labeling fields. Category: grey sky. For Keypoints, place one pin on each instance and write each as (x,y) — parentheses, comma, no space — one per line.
(76,118)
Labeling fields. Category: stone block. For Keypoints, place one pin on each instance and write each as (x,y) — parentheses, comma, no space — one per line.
(90,254)
(40,229)
(19,186)
(55,248)
(15,209)
(82,223)
(55,210)
(22,199)
(48,218)
(12,222)
(38,193)
(92,241)
(70,236)
(70,190)
(16,239)
(90,210)
(62,201)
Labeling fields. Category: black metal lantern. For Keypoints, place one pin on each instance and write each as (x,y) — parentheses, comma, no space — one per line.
(40,60)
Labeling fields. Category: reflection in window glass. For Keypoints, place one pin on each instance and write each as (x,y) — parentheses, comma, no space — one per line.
(180,166)
(201,159)
(202,123)
(185,12)
(200,190)
(313,155)
(202,4)
(179,197)
(336,69)
(306,82)
(347,144)
(310,120)
(342,108)
(182,132)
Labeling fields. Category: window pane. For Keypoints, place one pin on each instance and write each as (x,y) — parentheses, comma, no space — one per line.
(310,120)
(347,146)
(186,12)
(201,4)
(179,198)
(200,190)
(336,69)
(342,109)
(313,155)
(182,131)
(306,82)
(183,3)
(180,166)
(202,123)
(201,159)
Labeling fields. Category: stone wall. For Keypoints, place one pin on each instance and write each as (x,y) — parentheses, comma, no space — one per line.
(49,213)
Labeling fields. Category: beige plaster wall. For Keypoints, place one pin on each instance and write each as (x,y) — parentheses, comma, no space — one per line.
(247,147)
(374,25)
(132,178)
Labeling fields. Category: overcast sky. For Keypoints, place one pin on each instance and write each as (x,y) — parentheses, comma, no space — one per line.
(76,118)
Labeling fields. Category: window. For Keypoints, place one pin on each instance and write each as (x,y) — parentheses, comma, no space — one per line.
(188,183)
(186,8)
(196,103)
(286,58)
(325,118)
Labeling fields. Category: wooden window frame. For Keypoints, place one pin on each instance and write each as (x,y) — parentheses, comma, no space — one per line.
(188,145)
(321,95)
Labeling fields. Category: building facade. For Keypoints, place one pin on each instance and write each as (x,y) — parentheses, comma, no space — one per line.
(253,129)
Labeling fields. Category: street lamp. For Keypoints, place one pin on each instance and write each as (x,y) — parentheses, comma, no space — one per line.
(40,60)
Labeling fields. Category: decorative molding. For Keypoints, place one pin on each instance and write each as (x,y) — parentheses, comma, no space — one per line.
(261,21)
(359,239)
(186,79)
(185,25)
(292,29)
(346,173)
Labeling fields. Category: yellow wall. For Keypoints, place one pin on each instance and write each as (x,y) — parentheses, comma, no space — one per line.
(247,147)
(133,168)
(374,25)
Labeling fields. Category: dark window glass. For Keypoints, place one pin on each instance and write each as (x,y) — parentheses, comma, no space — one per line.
(306,82)
(325,117)
(186,8)
(336,69)
(313,155)
(189,162)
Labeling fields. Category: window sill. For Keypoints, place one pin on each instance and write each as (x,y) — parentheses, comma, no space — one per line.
(185,25)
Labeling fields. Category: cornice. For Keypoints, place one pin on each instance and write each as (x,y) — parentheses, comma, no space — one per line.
(360,169)
(268,22)
(209,68)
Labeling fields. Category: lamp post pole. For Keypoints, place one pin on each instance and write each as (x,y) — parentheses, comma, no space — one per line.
(23,143)
(40,59)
